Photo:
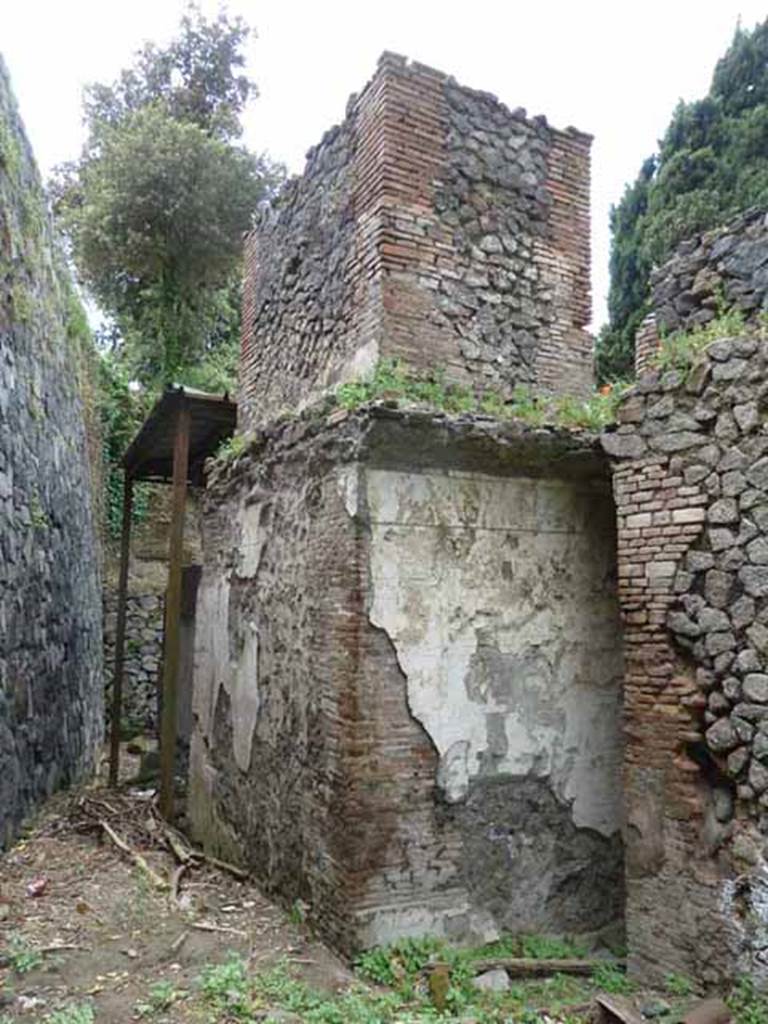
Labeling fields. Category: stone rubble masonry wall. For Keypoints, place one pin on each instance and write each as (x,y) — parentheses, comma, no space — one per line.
(51,709)
(727,266)
(691,487)
(143,656)
(407,676)
(433,225)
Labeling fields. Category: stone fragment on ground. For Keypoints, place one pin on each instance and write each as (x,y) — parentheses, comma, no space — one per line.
(496,980)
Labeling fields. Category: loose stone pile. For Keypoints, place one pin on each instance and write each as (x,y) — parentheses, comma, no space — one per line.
(709,428)
(727,266)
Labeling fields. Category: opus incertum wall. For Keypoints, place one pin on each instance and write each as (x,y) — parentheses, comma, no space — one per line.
(691,485)
(51,706)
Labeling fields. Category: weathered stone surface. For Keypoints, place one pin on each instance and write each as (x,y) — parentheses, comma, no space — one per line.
(723,511)
(51,709)
(492,981)
(722,736)
(755,687)
(755,580)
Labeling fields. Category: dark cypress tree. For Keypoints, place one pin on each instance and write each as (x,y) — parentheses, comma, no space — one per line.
(712,163)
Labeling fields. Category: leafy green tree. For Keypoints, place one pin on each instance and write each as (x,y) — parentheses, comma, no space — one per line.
(712,163)
(156,207)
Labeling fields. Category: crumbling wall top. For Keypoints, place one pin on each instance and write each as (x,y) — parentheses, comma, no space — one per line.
(434,226)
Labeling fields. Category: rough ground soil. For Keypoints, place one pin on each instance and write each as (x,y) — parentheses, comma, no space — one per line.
(118,935)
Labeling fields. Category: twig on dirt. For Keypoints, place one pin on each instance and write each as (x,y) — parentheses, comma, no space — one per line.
(209,926)
(223,865)
(179,942)
(175,880)
(58,947)
(182,853)
(138,860)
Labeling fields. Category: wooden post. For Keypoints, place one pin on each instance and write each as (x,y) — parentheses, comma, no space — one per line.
(122,596)
(173,611)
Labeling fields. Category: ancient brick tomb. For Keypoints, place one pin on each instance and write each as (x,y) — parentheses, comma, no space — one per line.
(407,688)
(408,666)
(691,487)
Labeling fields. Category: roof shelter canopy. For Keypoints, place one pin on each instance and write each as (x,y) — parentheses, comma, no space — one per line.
(212,419)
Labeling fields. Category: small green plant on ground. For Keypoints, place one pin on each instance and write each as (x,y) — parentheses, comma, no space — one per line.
(678,985)
(21,956)
(392,381)
(748,1005)
(408,968)
(79,1013)
(161,997)
(610,979)
(226,988)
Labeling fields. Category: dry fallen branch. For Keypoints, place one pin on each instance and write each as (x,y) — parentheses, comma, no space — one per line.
(528,967)
(209,926)
(138,860)
(175,880)
(223,865)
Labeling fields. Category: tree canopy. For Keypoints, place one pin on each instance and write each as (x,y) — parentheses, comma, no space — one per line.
(712,163)
(156,206)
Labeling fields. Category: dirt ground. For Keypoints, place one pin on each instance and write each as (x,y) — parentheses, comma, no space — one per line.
(106,935)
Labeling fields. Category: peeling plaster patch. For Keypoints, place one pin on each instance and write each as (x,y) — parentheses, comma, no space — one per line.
(212,663)
(215,668)
(453,772)
(244,695)
(253,536)
(493,593)
(348,482)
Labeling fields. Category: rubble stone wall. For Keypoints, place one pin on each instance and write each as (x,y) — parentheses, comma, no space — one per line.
(51,708)
(725,267)
(691,487)
(143,656)
(433,225)
(407,679)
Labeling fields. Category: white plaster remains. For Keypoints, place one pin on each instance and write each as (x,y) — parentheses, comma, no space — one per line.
(494,593)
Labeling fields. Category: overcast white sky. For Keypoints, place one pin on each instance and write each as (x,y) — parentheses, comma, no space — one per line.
(614,69)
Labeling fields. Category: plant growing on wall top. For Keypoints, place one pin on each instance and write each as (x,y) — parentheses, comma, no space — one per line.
(710,166)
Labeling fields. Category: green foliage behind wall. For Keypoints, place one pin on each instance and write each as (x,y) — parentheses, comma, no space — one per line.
(712,163)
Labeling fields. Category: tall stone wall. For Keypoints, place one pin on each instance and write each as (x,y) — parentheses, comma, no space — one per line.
(726,267)
(691,486)
(435,226)
(51,711)
(407,691)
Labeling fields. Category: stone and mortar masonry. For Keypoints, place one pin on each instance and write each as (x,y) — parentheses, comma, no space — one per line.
(726,267)
(691,487)
(51,710)
(143,656)
(407,679)
(435,226)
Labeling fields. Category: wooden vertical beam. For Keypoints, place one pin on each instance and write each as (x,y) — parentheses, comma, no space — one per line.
(122,600)
(173,610)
